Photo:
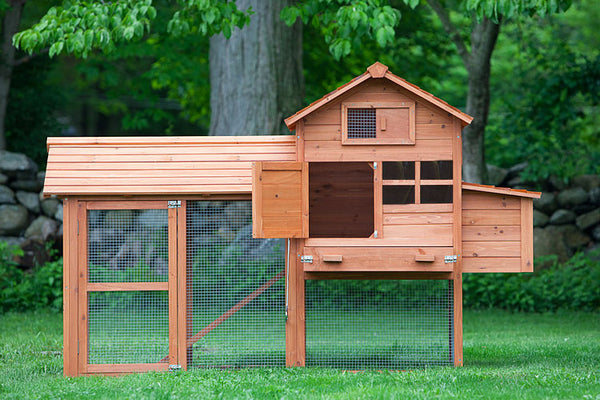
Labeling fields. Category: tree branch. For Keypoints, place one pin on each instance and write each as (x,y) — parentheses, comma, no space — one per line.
(451,30)
(26,59)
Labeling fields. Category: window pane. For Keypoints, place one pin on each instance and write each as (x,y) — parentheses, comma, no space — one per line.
(361,123)
(436,194)
(436,169)
(401,194)
(399,170)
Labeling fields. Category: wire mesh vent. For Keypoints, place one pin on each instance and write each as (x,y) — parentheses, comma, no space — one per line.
(128,246)
(361,123)
(128,327)
(236,303)
(379,324)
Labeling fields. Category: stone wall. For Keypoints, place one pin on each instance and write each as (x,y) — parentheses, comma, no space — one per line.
(26,218)
(567,216)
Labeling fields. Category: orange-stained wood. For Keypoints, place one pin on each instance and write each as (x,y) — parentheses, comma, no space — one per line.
(457,239)
(526,235)
(380,259)
(492,264)
(491,217)
(377,275)
(126,286)
(183,324)
(492,249)
(424,218)
(82,271)
(70,288)
(126,368)
(419,235)
(172,227)
(491,233)
(489,201)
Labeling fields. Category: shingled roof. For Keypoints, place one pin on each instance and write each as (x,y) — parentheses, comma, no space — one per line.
(377,71)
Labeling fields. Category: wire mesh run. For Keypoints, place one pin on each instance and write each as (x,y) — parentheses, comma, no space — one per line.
(128,327)
(128,246)
(381,324)
(236,297)
(362,123)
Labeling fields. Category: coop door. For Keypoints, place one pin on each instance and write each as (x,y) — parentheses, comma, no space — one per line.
(128,287)
(280,200)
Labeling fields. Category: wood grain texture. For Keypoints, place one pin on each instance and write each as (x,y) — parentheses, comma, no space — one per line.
(127,286)
(492,249)
(82,275)
(183,325)
(172,284)
(492,264)
(425,218)
(419,235)
(349,275)
(526,235)
(491,217)
(491,233)
(380,259)
(295,329)
(489,201)
(70,288)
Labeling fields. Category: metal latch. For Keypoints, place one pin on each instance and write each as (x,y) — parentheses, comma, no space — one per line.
(306,259)
(174,367)
(174,204)
(450,259)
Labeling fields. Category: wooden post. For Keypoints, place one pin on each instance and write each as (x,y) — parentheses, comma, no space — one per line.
(457,241)
(184,318)
(70,288)
(295,343)
(82,275)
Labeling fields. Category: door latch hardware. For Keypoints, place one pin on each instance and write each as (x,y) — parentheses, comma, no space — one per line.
(306,259)
(174,204)
(174,367)
(450,259)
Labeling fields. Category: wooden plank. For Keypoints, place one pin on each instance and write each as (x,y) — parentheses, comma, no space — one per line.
(333,258)
(377,95)
(305,206)
(491,264)
(126,368)
(378,200)
(427,115)
(201,167)
(281,166)
(300,141)
(526,235)
(430,150)
(500,190)
(418,208)
(433,131)
(126,286)
(332,132)
(491,233)
(417,183)
(491,217)
(257,206)
(148,181)
(419,235)
(372,242)
(492,249)
(126,204)
(107,158)
(417,219)
(70,288)
(156,173)
(156,189)
(172,284)
(199,151)
(458,320)
(489,201)
(295,354)
(380,259)
(322,132)
(183,325)
(165,140)
(82,320)
(425,258)
(343,275)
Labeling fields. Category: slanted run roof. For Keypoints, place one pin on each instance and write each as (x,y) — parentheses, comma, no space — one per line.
(377,71)
(500,190)
(159,165)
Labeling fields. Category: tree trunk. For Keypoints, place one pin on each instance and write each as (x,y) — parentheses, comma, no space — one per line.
(256,76)
(483,40)
(10,26)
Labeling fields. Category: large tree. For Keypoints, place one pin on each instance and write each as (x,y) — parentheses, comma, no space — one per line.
(255,59)
(472,25)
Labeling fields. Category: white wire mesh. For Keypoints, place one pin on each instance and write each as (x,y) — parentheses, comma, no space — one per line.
(231,322)
(128,246)
(362,123)
(379,323)
(128,327)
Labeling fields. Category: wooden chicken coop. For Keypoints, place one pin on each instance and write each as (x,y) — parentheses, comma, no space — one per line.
(342,245)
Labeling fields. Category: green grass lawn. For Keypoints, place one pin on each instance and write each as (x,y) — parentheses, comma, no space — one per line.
(511,356)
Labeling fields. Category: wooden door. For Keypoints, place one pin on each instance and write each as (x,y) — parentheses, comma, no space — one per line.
(127,286)
(280,200)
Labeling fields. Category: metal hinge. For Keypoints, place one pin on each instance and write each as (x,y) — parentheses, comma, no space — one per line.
(174,204)
(174,367)
(375,165)
(375,234)
(450,259)
(306,259)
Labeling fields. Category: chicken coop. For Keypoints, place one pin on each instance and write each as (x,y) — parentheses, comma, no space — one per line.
(342,245)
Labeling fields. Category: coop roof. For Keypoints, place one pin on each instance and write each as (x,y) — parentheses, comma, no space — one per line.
(159,165)
(501,190)
(378,71)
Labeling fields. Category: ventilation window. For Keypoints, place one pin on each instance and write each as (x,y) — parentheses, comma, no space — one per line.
(361,123)
(378,123)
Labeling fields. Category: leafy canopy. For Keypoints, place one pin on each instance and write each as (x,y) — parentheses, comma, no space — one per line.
(346,23)
(80,27)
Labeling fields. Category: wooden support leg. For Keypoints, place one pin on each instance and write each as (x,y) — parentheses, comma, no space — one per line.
(295,329)
(458,321)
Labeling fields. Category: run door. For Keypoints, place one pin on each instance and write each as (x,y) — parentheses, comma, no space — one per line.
(127,286)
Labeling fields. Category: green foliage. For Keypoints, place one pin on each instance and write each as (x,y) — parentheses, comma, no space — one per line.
(80,27)
(496,9)
(21,290)
(569,286)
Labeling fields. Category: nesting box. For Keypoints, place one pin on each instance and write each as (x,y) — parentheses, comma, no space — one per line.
(350,255)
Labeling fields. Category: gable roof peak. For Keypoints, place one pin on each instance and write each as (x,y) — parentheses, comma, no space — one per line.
(377,70)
